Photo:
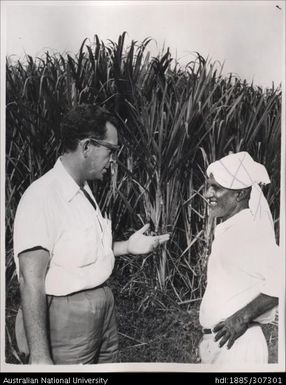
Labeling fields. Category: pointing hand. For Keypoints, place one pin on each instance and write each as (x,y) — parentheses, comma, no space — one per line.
(139,243)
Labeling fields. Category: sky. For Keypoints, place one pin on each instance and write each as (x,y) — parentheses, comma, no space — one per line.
(247,36)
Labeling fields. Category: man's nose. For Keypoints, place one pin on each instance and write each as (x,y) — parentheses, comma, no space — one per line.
(112,164)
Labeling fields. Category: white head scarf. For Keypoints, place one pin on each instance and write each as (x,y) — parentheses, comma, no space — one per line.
(239,171)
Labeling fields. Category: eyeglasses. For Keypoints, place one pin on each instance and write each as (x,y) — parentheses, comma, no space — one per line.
(112,147)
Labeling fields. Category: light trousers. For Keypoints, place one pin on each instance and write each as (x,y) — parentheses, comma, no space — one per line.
(83,328)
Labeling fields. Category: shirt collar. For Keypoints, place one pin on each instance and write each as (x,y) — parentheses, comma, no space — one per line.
(239,217)
(69,186)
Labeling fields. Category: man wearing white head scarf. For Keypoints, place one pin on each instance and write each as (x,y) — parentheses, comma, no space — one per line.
(243,284)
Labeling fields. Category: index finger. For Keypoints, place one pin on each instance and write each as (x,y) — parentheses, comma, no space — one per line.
(218,326)
(162,238)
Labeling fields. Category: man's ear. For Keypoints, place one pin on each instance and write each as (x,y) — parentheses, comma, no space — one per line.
(242,195)
(85,147)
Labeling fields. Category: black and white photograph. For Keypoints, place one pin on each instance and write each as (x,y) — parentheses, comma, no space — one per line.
(143,186)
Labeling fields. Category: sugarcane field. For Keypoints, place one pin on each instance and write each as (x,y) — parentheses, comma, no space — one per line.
(175,120)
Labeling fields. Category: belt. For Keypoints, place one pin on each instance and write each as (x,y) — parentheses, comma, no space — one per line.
(50,296)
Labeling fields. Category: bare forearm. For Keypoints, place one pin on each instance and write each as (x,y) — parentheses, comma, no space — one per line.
(234,326)
(257,307)
(120,248)
(34,307)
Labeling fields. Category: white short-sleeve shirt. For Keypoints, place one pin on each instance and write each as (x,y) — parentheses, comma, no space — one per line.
(54,214)
(244,262)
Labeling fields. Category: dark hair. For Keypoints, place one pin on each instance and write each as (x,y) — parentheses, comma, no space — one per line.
(83,121)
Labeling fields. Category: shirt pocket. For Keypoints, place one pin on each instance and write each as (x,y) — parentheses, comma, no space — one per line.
(76,247)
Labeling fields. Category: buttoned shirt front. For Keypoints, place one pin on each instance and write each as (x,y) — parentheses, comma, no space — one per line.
(54,214)
(244,262)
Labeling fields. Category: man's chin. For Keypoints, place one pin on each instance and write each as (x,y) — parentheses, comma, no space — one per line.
(211,212)
(102,177)
(93,178)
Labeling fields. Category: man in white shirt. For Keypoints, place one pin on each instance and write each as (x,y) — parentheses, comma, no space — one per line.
(243,276)
(64,252)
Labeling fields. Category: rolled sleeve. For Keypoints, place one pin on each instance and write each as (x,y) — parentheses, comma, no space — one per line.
(32,227)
